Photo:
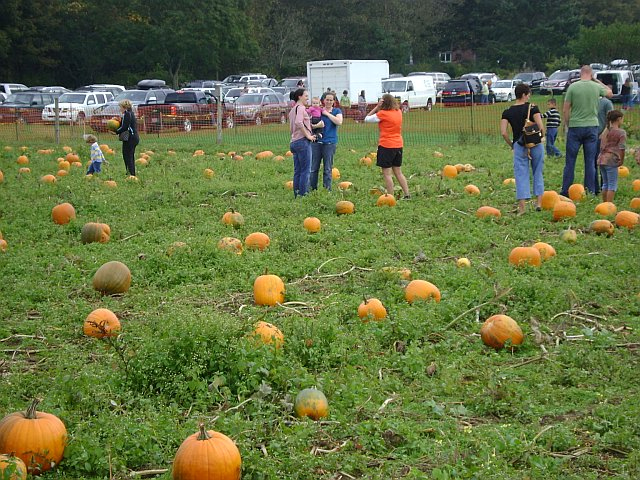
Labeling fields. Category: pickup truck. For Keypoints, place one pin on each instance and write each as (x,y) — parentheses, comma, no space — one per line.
(182,110)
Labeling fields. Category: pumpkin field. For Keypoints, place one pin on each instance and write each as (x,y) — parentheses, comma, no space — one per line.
(201,303)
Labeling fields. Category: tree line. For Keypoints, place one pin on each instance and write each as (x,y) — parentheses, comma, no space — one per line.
(71,43)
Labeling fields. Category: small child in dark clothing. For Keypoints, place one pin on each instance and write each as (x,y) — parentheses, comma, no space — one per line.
(553,123)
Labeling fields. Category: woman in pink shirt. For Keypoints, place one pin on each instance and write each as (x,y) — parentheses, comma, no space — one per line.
(301,138)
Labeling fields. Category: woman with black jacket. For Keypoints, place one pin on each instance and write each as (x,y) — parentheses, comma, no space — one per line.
(130,141)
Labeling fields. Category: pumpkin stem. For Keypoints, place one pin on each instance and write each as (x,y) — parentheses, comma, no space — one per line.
(203,434)
(31,411)
(364,298)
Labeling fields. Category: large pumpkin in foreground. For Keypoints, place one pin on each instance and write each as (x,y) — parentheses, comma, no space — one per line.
(112,277)
(207,455)
(37,438)
(311,403)
(268,290)
(500,329)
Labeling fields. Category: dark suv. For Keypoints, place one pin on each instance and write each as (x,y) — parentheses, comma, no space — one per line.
(533,79)
(559,82)
(25,106)
(461,92)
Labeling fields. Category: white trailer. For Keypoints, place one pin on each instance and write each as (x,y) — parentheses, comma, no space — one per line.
(351,75)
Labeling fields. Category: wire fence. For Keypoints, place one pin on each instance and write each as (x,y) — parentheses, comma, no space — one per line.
(441,125)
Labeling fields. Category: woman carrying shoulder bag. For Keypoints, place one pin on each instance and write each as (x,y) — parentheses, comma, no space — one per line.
(516,116)
(128,135)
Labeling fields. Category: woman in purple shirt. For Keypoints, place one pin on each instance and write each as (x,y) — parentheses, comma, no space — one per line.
(301,138)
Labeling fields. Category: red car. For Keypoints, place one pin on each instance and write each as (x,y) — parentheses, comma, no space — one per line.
(25,107)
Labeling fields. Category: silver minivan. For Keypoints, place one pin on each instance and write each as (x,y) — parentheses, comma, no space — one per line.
(615,79)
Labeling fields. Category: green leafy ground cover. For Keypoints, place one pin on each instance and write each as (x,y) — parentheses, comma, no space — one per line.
(563,405)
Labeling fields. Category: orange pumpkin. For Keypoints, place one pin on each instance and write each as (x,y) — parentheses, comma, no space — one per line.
(207,455)
(365,161)
(62,173)
(231,244)
(64,165)
(37,438)
(63,213)
(421,290)
(24,170)
(95,232)
(521,256)
(449,171)
(345,207)
(500,329)
(472,189)
(268,290)
(371,309)
(576,192)
(1,176)
(563,210)
(486,211)
(48,179)
(233,218)
(606,209)
(345,185)
(311,403)
(546,250)
(312,224)
(208,173)
(257,240)
(3,245)
(634,204)
(72,157)
(627,219)
(23,160)
(509,181)
(288,185)
(101,323)
(266,155)
(602,227)
(335,173)
(113,124)
(386,200)
(12,468)
(549,199)
(635,185)
(623,171)
(268,334)
(111,278)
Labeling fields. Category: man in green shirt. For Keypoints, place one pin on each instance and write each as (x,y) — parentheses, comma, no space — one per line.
(580,113)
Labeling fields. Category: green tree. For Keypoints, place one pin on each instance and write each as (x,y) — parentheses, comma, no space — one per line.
(604,43)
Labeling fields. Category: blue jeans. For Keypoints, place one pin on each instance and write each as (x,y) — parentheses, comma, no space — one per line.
(301,150)
(484,99)
(609,177)
(521,170)
(321,152)
(94,167)
(587,137)
(552,150)
(626,101)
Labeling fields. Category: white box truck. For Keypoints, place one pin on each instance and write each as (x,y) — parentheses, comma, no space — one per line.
(351,75)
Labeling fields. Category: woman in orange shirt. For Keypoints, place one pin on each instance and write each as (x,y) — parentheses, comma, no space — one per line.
(388,116)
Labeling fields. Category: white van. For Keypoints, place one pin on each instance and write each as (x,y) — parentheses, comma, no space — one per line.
(616,78)
(416,91)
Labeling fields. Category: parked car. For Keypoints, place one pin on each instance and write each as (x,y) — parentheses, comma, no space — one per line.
(440,79)
(559,82)
(102,87)
(477,85)
(7,89)
(76,106)
(292,82)
(417,91)
(232,95)
(259,108)
(617,78)
(505,90)
(533,79)
(25,106)
(57,89)
(485,77)
(182,110)
(111,109)
(461,92)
